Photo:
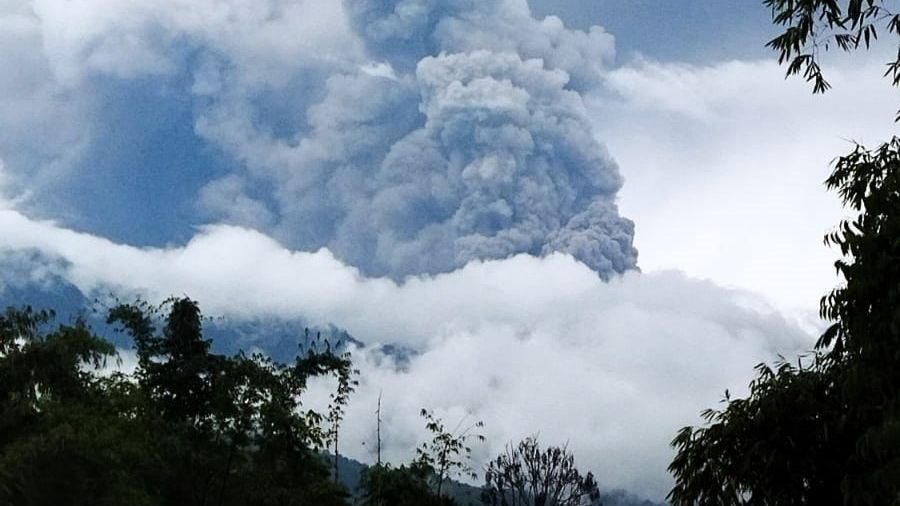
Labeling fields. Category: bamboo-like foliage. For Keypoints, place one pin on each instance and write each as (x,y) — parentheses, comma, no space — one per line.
(816,26)
(448,452)
(828,430)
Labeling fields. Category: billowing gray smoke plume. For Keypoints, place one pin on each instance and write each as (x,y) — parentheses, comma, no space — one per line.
(462,136)
(407,136)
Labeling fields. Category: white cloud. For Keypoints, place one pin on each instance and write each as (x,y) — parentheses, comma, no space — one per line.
(4,202)
(42,124)
(133,38)
(724,166)
(526,344)
(68,55)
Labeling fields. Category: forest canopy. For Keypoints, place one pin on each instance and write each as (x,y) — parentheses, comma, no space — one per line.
(191,427)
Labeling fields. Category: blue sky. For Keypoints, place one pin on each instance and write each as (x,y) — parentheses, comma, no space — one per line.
(695,31)
(144,168)
(628,202)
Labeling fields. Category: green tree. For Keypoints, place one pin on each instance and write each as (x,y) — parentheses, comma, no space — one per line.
(339,399)
(383,485)
(188,427)
(865,337)
(61,440)
(786,443)
(448,452)
(525,475)
(816,26)
(827,430)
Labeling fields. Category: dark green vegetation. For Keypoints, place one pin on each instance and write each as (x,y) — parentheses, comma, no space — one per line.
(424,482)
(187,427)
(191,427)
(825,430)
(383,485)
(526,475)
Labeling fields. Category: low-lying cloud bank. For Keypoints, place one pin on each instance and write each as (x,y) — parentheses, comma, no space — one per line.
(529,345)
(734,173)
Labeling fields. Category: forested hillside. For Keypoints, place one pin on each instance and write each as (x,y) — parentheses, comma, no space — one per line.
(189,426)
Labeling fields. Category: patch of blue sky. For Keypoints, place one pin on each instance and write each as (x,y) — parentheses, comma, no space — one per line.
(140,176)
(690,31)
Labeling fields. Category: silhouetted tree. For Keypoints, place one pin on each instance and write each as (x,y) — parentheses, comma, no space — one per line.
(447,454)
(346,384)
(525,475)
(827,431)
(383,485)
(188,427)
(816,26)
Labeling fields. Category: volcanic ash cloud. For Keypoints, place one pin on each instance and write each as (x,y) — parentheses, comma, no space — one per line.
(464,136)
